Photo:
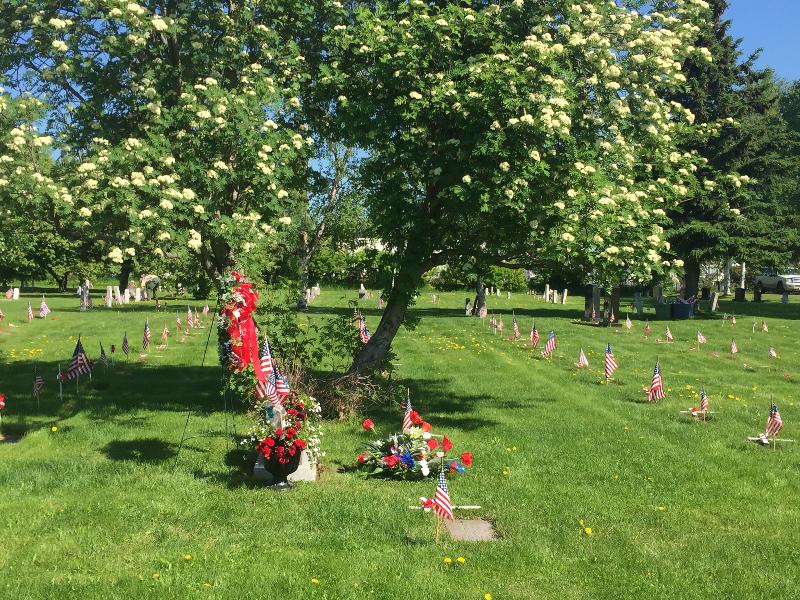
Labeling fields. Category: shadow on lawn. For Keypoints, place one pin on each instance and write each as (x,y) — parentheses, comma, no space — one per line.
(143,450)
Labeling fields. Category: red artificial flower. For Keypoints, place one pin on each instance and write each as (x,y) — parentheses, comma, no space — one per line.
(362,458)
(432,444)
(391,461)
(269,442)
(426,426)
(301,404)
(415,418)
(426,502)
(466,458)
(278,432)
(300,444)
(453,466)
(368,425)
(2,401)
(447,445)
(290,432)
(237,276)
(291,411)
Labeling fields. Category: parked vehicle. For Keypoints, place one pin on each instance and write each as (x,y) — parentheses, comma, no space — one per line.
(771,280)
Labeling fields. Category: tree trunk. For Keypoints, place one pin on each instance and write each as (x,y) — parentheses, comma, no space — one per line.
(691,277)
(125,275)
(305,259)
(480,297)
(744,272)
(406,283)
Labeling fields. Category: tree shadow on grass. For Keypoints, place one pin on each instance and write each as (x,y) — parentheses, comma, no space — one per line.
(142,450)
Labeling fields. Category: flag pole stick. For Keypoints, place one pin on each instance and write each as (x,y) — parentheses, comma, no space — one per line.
(60,385)
(438,527)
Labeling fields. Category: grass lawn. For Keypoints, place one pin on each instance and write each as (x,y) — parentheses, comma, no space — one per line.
(678,509)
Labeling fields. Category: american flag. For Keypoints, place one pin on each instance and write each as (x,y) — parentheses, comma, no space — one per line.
(550,345)
(38,383)
(44,310)
(205,309)
(146,335)
(764,327)
(668,334)
(733,320)
(189,317)
(441,500)
(125,346)
(613,318)
(30,312)
(647,328)
(656,389)
(628,323)
(582,360)
(703,400)
(2,316)
(482,312)
(362,330)
(534,335)
(178,320)
(500,324)
(80,363)
(734,347)
(407,422)
(701,339)
(103,360)
(267,388)
(611,363)
(515,327)
(492,321)
(774,421)
(196,318)
(772,353)
(164,332)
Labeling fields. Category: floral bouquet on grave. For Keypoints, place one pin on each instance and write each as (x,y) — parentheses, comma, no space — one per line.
(410,454)
(299,430)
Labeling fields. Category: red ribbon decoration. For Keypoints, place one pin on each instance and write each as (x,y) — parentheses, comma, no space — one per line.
(242,328)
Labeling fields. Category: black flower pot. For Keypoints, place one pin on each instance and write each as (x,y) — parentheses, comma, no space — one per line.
(280,471)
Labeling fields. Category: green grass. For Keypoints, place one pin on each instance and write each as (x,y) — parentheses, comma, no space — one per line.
(96,510)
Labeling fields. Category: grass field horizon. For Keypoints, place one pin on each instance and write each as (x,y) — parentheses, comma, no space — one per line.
(678,509)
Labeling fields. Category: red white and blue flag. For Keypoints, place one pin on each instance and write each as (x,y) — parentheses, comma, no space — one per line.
(703,401)
(80,363)
(125,346)
(764,327)
(701,339)
(772,353)
(103,360)
(611,363)
(515,327)
(165,333)
(774,421)
(646,328)
(189,317)
(178,320)
(407,422)
(362,329)
(268,388)
(656,389)
(441,499)
(551,344)
(30,312)
(534,335)
(146,335)
(582,360)
(628,324)
(668,334)
(44,310)
(734,347)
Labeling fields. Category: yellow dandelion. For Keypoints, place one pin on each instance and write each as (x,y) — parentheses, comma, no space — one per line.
(314,580)
(156,575)
(448,560)
(505,472)
(187,557)
(587,530)
(53,428)
(461,560)
(487,596)
(661,508)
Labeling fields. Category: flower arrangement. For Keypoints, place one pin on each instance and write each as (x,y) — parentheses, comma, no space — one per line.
(297,430)
(411,454)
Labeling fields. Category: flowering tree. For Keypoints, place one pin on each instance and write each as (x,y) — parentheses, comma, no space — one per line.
(174,120)
(517,130)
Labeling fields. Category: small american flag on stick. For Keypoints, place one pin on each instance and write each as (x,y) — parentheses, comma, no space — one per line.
(515,327)
(125,346)
(44,310)
(734,347)
(146,335)
(441,499)
(103,360)
(267,388)
(611,363)
(582,360)
(407,422)
(178,320)
(764,327)
(38,383)
(628,324)
(774,421)
(30,312)
(189,317)
(703,400)
(772,353)
(80,363)
(701,339)
(668,334)
(656,390)
(647,329)
(534,335)
(550,345)
(165,333)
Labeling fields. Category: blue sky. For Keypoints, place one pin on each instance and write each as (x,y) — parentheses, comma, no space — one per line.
(773,26)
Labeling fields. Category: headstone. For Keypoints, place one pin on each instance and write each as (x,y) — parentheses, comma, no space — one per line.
(137,294)
(785,298)
(126,297)
(468,307)
(756,294)
(16,293)
(305,472)
(555,297)
(117,295)
(109,296)
(596,304)
(738,295)
(714,301)
(705,293)
(471,530)
(658,293)
(547,292)
(497,292)
(362,291)
(564,297)
(638,304)
(508,295)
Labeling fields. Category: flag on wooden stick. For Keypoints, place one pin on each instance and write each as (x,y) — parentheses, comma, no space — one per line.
(441,499)
(656,390)
(30,312)
(582,360)
(80,363)
(550,345)
(534,335)
(774,421)
(44,310)
(611,363)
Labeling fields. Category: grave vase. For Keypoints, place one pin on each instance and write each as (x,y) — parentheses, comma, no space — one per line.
(280,471)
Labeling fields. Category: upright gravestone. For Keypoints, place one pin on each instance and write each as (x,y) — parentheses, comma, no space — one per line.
(137,294)
(508,295)
(738,295)
(109,297)
(564,296)
(117,295)
(126,297)
(16,294)
(547,292)
(714,301)
(362,292)
(638,304)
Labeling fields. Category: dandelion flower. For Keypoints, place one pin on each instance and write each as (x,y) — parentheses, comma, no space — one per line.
(461,560)
(587,530)
(187,557)
(53,428)
(448,560)
(314,580)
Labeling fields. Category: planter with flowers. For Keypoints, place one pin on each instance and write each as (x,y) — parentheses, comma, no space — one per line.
(413,454)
